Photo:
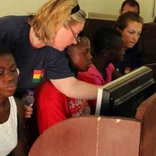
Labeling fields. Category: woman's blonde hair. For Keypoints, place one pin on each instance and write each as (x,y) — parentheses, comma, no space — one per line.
(52,16)
(83,39)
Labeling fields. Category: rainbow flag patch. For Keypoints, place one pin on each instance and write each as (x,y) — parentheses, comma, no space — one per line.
(127,70)
(37,75)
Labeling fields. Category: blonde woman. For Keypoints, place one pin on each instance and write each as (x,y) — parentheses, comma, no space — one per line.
(38,42)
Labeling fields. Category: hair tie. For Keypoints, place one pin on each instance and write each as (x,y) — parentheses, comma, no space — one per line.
(75,9)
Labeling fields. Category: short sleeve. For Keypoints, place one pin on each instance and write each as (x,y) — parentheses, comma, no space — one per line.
(111,67)
(57,64)
(92,76)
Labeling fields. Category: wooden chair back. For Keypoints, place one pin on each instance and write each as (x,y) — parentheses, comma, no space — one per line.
(92,136)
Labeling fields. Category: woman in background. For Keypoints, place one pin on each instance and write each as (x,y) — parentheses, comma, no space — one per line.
(130,25)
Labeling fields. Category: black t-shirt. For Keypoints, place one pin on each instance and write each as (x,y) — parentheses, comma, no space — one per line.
(34,64)
(132,60)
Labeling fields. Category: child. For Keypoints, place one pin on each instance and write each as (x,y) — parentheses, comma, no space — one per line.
(52,105)
(11,109)
(108,44)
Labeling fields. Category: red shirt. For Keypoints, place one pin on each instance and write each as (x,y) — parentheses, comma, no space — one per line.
(53,106)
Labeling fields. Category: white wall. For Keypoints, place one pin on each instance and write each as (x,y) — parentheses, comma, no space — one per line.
(112,7)
(18,7)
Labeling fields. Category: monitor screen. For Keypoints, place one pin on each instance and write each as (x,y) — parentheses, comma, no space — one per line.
(122,96)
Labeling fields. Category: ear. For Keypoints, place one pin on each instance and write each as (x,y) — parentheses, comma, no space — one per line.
(18,72)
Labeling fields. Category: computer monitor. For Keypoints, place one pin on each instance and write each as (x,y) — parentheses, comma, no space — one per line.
(122,96)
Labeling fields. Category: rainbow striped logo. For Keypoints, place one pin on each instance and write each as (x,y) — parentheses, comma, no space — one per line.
(37,75)
(127,70)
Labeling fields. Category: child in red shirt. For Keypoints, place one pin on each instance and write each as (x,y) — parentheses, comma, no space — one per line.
(52,105)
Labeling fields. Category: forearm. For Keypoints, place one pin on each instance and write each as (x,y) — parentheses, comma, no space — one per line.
(83,90)
(74,88)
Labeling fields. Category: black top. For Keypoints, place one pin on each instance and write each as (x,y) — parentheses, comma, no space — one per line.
(34,64)
(132,60)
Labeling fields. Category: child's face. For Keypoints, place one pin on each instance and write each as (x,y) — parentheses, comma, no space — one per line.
(80,56)
(117,53)
(8,76)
